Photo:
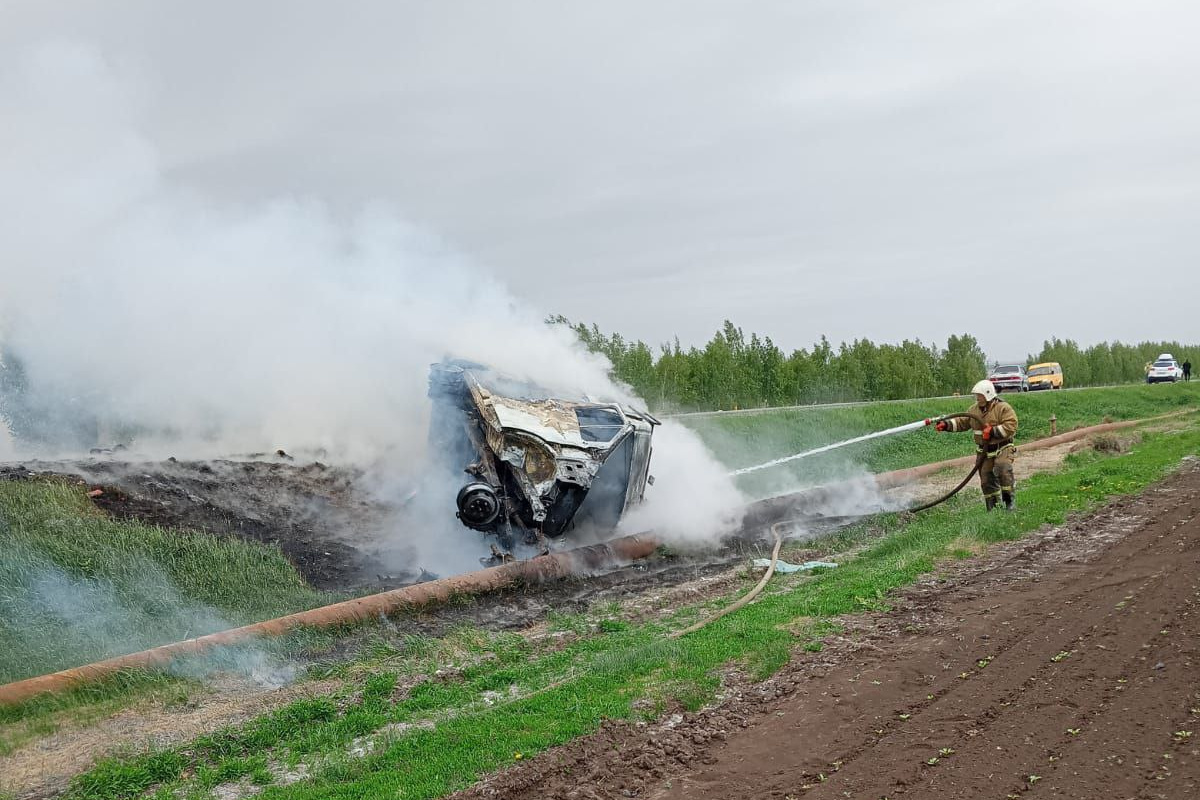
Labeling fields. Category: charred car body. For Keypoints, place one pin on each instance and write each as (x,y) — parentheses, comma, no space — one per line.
(538,465)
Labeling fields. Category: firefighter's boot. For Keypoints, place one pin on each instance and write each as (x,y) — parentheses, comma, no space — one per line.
(990,502)
(1009,501)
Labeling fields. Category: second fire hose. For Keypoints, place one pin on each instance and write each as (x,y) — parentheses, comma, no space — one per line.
(778,537)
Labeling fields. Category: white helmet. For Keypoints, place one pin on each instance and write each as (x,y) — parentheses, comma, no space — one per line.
(986,389)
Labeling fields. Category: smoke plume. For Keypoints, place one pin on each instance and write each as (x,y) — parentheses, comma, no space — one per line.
(692,497)
(137,309)
(139,303)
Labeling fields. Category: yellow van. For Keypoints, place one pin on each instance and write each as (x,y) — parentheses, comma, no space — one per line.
(1045,376)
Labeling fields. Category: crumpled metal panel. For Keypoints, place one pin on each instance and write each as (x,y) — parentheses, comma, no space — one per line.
(543,455)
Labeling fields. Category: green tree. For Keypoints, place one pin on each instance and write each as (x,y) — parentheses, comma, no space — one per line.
(961,365)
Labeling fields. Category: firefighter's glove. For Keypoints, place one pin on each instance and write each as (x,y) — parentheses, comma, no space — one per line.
(987,433)
(942,426)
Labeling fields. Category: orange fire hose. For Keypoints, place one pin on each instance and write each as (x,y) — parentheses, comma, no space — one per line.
(541,568)
(547,567)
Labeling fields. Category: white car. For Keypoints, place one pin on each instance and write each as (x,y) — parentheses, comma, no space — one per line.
(1009,378)
(1164,369)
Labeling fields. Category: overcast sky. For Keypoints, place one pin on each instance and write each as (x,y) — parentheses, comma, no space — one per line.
(889,170)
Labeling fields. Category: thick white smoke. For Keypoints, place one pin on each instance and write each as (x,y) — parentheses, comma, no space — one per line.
(210,328)
(255,326)
(7,450)
(693,497)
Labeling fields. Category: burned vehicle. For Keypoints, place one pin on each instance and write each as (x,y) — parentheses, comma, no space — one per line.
(538,465)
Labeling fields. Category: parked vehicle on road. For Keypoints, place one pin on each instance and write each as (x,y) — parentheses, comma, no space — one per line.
(1048,375)
(1009,378)
(1165,369)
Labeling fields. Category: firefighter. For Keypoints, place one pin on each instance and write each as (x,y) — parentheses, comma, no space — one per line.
(995,425)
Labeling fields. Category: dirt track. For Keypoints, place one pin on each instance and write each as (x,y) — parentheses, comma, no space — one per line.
(1063,665)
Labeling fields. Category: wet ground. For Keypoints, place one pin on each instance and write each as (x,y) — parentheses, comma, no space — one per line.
(1066,664)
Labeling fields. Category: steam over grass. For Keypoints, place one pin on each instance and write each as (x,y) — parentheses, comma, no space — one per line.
(77,586)
(512,697)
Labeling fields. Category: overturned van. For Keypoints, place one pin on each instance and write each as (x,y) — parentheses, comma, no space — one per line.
(537,465)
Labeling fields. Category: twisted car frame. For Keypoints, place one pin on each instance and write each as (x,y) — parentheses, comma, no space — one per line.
(537,465)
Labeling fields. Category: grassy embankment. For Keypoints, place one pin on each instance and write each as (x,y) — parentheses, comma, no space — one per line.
(76,586)
(509,697)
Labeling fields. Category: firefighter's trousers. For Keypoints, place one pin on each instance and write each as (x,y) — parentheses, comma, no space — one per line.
(996,473)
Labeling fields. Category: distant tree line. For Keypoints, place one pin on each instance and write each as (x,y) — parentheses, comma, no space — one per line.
(732,371)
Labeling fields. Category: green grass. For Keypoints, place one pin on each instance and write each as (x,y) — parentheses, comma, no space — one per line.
(77,586)
(741,440)
(512,697)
